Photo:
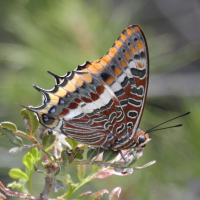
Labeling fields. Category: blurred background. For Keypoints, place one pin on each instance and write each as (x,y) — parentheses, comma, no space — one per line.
(36,36)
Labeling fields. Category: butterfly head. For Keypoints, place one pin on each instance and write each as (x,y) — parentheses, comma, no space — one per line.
(141,138)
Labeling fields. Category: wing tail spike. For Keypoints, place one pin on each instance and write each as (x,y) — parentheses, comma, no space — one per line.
(44,92)
(28,108)
(38,88)
(58,79)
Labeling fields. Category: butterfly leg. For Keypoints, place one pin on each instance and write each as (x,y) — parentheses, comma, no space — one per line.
(98,151)
(122,155)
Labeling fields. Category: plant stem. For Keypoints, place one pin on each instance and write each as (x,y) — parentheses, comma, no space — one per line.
(48,185)
(78,185)
(30,182)
(72,190)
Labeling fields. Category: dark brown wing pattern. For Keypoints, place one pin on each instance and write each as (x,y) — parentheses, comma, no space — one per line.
(100,103)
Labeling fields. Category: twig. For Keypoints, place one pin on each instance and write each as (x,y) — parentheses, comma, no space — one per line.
(16,194)
(44,195)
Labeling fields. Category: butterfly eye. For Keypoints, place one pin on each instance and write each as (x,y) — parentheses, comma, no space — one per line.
(141,139)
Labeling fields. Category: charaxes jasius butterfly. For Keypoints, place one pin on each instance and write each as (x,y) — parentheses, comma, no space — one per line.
(100,103)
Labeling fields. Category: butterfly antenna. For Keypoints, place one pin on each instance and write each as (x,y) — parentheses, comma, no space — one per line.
(178,125)
(153,129)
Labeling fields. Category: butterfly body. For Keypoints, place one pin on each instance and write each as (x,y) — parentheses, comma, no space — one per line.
(100,103)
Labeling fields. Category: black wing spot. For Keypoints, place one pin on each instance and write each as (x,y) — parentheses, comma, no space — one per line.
(132,114)
(119,92)
(119,58)
(76,91)
(124,102)
(136,56)
(142,54)
(123,50)
(116,142)
(137,91)
(105,76)
(129,43)
(125,81)
(130,124)
(135,39)
(83,86)
(138,73)
(134,102)
(83,105)
(132,81)
(140,91)
(113,67)
(119,129)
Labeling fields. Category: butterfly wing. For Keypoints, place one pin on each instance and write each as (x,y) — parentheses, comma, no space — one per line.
(101,102)
(125,69)
(131,53)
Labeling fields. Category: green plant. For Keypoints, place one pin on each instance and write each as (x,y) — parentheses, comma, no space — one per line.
(45,149)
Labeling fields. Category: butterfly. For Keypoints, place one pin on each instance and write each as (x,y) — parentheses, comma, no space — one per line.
(100,103)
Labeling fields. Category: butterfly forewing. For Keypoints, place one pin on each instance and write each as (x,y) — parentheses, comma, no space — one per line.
(101,103)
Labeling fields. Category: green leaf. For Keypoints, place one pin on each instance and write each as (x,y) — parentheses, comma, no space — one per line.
(57,172)
(18,174)
(72,185)
(71,142)
(64,155)
(28,161)
(65,162)
(115,193)
(51,140)
(97,195)
(47,139)
(12,137)
(21,133)
(67,155)
(34,153)
(15,185)
(80,171)
(109,155)
(78,153)
(46,154)
(30,119)
(68,180)
(9,126)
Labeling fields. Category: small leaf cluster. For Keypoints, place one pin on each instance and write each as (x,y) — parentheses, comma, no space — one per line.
(56,152)
(30,159)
